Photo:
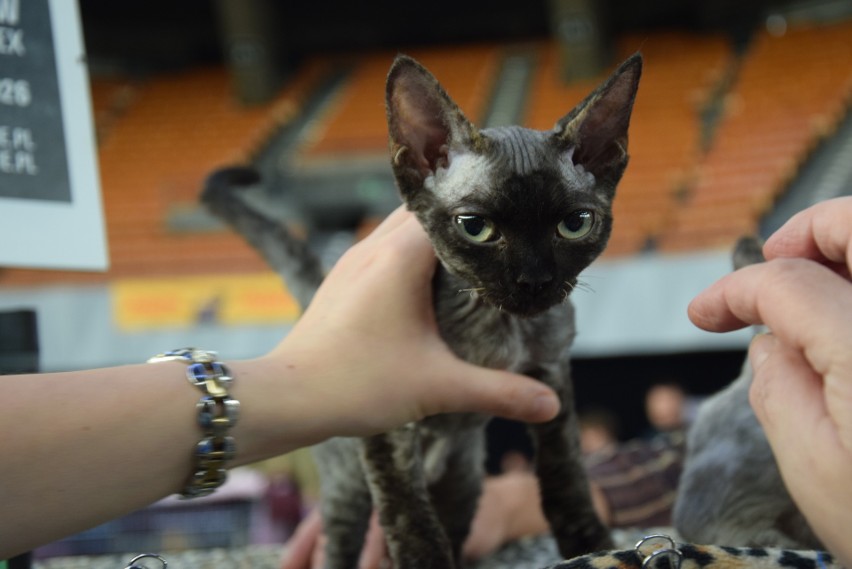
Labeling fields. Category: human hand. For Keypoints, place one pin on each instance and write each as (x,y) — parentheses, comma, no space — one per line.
(306,548)
(370,346)
(365,358)
(508,509)
(802,389)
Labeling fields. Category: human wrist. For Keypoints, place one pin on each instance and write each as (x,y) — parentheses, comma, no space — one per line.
(829,517)
(270,423)
(284,407)
(820,488)
(216,413)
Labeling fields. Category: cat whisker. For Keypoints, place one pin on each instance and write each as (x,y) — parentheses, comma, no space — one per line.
(474,292)
(584,286)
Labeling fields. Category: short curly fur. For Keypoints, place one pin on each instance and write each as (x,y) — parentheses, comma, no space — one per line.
(425,479)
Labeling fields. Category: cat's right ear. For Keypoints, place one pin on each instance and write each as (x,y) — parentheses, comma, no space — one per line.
(423,122)
(596,130)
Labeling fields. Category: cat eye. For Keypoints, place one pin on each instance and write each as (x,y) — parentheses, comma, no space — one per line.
(475,228)
(577,224)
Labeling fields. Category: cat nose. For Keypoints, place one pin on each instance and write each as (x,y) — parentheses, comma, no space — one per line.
(534,283)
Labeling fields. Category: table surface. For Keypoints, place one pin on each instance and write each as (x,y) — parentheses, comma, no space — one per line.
(526,553)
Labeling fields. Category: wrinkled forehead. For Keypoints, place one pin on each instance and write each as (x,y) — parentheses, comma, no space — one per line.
(521,150)
(513,152)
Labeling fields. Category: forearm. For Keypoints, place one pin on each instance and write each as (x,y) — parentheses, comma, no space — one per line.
(102,443)
(82,448)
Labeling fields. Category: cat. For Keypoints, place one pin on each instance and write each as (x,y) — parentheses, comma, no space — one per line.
(730,490)
(514,216)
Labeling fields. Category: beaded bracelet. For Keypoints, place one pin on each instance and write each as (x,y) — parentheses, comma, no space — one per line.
(217,413)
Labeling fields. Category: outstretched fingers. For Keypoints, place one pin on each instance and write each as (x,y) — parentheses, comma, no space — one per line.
(822,233)
(801,301)
(394,219)
(398,247)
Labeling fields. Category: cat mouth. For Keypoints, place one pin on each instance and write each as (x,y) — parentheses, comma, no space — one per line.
(525,304)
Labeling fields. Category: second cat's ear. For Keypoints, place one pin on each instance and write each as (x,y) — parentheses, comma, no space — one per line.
(423,122)
(596,130)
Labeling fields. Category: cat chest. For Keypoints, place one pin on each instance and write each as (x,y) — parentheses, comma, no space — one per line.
(448,435)
(484,342)
(512,344)
(506,351)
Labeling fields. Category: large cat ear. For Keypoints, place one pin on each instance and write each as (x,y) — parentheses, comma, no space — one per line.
(423,122)
(596,130)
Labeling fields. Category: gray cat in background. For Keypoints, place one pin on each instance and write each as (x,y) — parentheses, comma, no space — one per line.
(730,490)
(514,216)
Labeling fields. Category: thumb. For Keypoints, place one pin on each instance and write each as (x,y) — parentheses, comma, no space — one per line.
(784,382)
(499,393)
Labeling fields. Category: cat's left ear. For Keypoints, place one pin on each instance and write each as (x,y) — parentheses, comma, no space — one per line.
(596,130)
(423,122)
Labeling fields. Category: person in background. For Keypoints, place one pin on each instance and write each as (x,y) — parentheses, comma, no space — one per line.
(665,407)
(598,430)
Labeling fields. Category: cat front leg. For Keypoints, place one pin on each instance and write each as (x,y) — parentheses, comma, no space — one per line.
(564,485)
(394,467)
(455,495)
(346,502)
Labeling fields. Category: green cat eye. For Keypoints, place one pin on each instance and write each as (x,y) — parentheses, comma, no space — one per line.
(475,228)
(577,224)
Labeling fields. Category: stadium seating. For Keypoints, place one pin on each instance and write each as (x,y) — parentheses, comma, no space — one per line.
(693,183)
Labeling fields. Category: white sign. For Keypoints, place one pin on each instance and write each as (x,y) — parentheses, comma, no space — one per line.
(50,205)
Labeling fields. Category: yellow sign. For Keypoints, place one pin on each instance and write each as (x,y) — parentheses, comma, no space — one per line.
(179,302)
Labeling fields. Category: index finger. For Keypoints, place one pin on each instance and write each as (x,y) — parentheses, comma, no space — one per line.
(400,229)
(398,243)
(394,219)
(822,233)
(804,303)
